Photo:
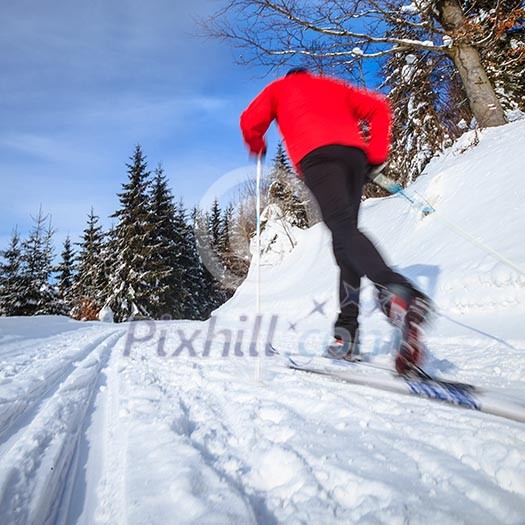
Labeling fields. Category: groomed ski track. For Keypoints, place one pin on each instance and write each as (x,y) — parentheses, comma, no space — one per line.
(97,436)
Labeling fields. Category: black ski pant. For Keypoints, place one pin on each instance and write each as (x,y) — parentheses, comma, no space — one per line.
(335,175)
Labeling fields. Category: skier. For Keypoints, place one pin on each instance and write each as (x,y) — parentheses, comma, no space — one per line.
(319,119)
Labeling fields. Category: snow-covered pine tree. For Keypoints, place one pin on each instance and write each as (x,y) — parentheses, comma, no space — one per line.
(166,299)
(66,276)
(90,280)
(215,225)
(232,258)
(215,229)
(197,288)
(10,277)
(37,295)
(226,250)
(281,164)
(218,232)
(418,131)
(207,228)
(132,281)
(283,213)
(285,192)
(226,226)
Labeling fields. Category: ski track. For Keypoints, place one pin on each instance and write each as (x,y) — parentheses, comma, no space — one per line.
(38,458)
(95,436)
(392,459)
(99,488)
(35,381)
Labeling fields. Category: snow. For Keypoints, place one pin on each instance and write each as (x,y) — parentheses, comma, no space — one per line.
(411,59)
(448,41)
(410,9)
(278,237)
(105,315)
(149,422)
(416,7)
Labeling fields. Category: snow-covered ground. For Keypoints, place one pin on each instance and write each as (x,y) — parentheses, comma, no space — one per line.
(149,423)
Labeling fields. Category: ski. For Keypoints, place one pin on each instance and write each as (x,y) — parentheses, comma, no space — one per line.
(366,373)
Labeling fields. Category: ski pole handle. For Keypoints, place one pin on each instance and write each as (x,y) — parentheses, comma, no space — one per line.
(377,177)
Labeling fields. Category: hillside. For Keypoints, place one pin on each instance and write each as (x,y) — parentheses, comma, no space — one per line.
(478,188)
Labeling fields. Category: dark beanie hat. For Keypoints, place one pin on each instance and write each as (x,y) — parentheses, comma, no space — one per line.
(296,70)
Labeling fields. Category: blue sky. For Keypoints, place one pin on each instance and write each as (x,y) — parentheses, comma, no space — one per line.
(83,82)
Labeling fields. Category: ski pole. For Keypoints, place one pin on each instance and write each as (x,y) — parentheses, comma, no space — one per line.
(258,374)
(395,189)
(392,187)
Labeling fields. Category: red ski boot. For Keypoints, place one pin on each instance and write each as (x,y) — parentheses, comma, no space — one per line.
(412,349)
(409,310)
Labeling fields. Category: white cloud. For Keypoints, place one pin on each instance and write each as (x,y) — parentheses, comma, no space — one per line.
(43,147)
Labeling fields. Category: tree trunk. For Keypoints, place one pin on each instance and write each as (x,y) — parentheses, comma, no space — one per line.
(483,101)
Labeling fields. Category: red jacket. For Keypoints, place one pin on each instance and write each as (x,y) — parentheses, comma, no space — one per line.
(313,111)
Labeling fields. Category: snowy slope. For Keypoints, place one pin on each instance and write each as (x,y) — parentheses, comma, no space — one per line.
(480,299)
(480,189)
(150,423)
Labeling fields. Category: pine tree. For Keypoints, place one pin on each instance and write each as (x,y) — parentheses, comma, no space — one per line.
(10,277)
(132,283)
(107,266)
(226,226)
(214,262)
(66,275)
(38,296)
(215,225)
(285,193)
(207,235)
(164,265)
(234,266)
(197,290)
(281,164)
(219,228)
(90,280)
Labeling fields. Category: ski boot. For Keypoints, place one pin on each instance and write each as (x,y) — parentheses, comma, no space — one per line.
(343,349)
(409,310)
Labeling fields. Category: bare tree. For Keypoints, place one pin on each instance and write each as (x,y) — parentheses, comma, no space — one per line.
(244,202)
(339,34)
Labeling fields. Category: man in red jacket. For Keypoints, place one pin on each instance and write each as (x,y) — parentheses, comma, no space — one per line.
(320,120)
